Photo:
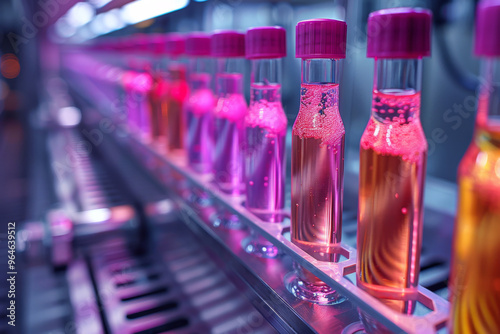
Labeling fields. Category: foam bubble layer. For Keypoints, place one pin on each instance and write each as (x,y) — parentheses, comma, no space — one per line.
(394,127)
(267,115)
(319,115)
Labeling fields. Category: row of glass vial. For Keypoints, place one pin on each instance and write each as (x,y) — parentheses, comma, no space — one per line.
(392,158)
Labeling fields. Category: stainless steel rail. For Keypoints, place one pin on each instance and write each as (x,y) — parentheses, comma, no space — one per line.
(333,274)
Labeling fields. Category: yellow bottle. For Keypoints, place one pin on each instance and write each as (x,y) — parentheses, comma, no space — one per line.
(475,273)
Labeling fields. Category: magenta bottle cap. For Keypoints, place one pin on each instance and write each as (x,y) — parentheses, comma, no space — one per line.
(175,44)
(141,42)
(198,44)
(487,41)
(321,38)
(157,43)
(112,44)
(265,42)
(121,44)
(228,44)
(128,44)
(399,33)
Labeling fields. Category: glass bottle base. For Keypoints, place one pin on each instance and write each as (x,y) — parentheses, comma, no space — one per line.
(260,246)
(371,325)
(316,293)
(354,328)
(200,199)
(227,220)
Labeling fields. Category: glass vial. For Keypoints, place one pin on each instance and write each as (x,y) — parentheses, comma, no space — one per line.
(228,47)
(393,160)
(318,155)
(266,126)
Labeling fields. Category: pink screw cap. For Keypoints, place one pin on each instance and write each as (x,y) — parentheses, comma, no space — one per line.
(128,43)
(198,44)
(175,44)
(488,28)
(265,42)
(140,42)
(399,33)
(228,43)
(157,43)
(121,44)
(321,38)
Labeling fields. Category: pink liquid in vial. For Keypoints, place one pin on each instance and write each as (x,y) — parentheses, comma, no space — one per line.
(158,105)
(131,109)
(199,120)
(176,97)
(137,87)
(265,154)
(392,170)
(229,134)
(317,173)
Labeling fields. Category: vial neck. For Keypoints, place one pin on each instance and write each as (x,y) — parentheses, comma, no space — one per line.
(319,92)
(200,81)
(200,72)
(176,70)
(229,77)
(396,90)
(489,93)
(161,62)
(265,80)
(321,71)
(320,86)
(200,65)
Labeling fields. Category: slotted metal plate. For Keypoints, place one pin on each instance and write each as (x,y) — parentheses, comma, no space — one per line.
(174,288)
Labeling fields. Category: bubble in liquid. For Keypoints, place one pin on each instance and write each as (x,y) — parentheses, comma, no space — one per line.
(250,183)
(404,211)
(396,195)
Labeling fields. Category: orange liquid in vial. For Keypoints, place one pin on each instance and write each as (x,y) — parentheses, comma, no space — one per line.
(475,274)
(177,95)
